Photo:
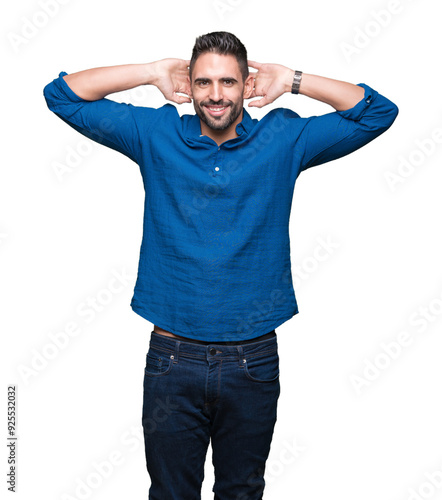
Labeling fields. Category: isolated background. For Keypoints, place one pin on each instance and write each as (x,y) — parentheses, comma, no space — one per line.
(63,239)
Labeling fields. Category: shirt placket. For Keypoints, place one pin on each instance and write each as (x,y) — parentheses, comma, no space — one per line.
(217,167)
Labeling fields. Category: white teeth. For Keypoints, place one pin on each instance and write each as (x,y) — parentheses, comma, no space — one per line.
(217,109)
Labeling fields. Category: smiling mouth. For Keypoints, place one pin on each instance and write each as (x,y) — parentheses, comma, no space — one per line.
(216,110)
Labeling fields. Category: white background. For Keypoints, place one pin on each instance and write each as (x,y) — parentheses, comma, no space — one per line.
(62,240)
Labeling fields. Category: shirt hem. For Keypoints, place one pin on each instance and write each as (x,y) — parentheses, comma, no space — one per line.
(156,320)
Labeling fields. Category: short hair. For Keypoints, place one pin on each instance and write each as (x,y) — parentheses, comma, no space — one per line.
(224,43)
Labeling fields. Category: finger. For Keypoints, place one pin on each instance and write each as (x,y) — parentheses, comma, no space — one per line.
(254,64)
(174,97)
(254,94)
(259,103)
(180,99)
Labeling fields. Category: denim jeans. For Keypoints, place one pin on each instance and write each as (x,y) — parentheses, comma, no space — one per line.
(196,393)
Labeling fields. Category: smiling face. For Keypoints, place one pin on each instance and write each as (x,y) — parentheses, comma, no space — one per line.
(218,92)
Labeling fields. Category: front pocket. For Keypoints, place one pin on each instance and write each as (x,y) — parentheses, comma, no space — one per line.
(264,368)
(157,364)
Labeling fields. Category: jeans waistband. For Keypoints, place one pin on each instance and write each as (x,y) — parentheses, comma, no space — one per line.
(230,342)
(258,346)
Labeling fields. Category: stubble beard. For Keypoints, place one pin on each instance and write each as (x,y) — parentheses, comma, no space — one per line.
(221,122)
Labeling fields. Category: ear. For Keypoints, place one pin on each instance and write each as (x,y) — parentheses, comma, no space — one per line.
(248,86)
(190,87)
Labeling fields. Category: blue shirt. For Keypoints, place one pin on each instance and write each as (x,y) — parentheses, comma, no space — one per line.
(215,255)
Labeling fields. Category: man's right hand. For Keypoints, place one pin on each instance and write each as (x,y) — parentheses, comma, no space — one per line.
(171,76)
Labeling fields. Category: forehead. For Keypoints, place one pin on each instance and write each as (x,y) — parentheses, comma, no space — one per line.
(213,66)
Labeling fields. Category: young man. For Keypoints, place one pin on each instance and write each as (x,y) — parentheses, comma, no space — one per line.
(214,274)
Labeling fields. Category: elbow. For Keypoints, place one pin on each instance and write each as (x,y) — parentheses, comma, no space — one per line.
(386,115)
(47,90)
(390,109)
(394,112)
(391,115)
(48,94)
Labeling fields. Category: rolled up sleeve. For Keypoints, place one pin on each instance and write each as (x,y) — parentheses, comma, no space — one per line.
(115,125)
(334,135)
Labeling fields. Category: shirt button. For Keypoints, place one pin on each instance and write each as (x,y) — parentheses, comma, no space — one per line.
(217,168)
(212,351)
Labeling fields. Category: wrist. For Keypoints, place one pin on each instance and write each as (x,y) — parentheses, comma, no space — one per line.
(150,74)
(289,80)
(296,84)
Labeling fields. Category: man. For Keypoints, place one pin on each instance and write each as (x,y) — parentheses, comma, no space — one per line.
(214,274)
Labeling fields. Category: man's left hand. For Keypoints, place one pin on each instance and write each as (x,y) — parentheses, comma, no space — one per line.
(271,81)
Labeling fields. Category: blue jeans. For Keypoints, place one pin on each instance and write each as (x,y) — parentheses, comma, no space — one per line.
(194,393)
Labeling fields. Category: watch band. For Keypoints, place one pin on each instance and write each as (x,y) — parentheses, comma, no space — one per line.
(296,82)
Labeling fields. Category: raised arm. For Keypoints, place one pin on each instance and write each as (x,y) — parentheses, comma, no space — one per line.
(169,75)
(78,99)
(361,113)
(273,80)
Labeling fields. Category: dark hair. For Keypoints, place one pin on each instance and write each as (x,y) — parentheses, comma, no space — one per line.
(224,43)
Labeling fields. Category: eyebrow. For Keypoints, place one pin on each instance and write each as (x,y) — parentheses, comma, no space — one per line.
(201,79)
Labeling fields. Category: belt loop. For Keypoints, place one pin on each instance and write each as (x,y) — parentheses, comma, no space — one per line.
(177,350)
(240,354)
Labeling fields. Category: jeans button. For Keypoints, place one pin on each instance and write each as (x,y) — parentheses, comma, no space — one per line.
(212,351)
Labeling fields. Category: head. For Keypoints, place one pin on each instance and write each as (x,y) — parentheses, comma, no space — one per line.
(223,43)
(219,79)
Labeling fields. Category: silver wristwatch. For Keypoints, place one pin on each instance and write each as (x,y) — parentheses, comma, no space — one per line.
(296,82)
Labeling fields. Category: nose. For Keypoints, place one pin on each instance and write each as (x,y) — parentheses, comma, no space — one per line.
(216,93)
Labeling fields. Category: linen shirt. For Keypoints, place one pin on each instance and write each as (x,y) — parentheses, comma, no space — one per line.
(215,253)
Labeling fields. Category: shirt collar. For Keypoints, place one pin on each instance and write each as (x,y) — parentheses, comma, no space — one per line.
(194,126)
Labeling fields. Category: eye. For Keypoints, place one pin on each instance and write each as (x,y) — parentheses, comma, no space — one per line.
(228,82)
(202,83)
